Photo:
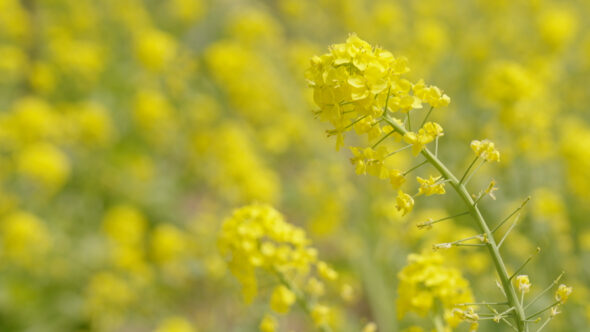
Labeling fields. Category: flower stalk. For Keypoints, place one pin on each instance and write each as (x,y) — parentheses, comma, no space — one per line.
(511,296)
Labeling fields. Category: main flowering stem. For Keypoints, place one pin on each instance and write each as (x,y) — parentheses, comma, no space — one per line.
(510,292)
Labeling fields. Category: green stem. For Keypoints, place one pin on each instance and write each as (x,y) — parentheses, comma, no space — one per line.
(468,169)
(382,139)
(415,167)
(438,324)
(518,314)
(426,117)
(543,310)
(432,222)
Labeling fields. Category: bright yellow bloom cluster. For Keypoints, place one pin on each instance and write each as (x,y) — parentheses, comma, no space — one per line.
(355,84)
(485,149)
(320,314)
(281,299)
(428,133)
(268,324)
(431,186)
(369,160)
(360,87)
(258,237)
(425,281)
(24,239)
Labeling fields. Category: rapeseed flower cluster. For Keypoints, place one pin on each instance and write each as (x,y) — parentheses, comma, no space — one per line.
(357,86)
(256,237)
(343,85)
(426,286)
(129,129)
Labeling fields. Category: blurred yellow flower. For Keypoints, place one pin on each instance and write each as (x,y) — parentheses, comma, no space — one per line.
(175,324)
(282,299)
(268,324)
(45,163)
(124,224)
(25,238)
(155,49)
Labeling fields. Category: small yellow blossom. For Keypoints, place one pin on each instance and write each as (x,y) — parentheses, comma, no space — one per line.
(175,324)
(315,287)
(417,140)
(491,188)
(467,315)
(320,314)
(485,149)
(44,163)
(428,133)
(326,271)
(268,324)
(396,178)
(370,327)
(370,161)
(431,186)
(433,129)
(155,49)
(404,203)
(347,293)
(281,299)
(431,94)
(563,292)
(524,285)
(24,238)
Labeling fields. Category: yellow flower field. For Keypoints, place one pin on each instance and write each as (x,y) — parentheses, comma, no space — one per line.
(294,165)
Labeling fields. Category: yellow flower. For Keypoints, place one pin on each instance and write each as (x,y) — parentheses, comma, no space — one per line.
(524,285)
(485,149)
(326,271)
(431,186)
(320,314)
(108,293)
(355,82)
(431,94)
(396,178)
(124,224)
(268,324)
(433,129)
(25,238)
(425,281)
(45,163)
(417,140)
(370,161)
(155,49)
(404,203)
(428,133)
(281,299)
(315,287)
(370,327)
(168,243)
(175,324)
(257,236)
(563,292)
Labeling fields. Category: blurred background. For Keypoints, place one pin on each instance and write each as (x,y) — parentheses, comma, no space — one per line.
(130,129)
